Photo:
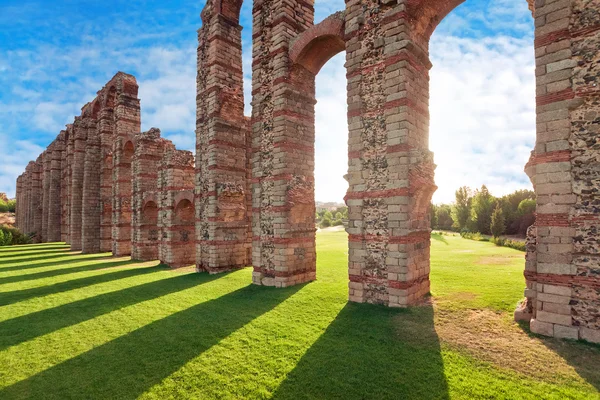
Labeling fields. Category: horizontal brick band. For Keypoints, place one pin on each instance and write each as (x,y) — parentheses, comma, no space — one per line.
(412,238)
(271,273)
(566,94)
(563,34)
(407,284)
(563,280)
(221,242)
(376,194)
(549,157)
(552,220)
(299,240)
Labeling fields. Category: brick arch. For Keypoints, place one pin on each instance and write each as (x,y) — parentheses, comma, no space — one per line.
(315,46)
(149,198)
(110,98)
(184,211)
(183,195)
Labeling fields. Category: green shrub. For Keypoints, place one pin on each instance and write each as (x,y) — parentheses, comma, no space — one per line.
(513,244)
(13,236)
(474,236)
(326,222)
(12,205)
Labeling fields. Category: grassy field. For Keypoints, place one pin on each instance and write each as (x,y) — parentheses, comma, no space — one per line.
(92,326)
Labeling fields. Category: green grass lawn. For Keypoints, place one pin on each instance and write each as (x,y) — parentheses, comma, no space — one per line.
(92,326)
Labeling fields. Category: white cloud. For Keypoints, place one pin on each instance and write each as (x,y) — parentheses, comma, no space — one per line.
(15,156)
(482,107)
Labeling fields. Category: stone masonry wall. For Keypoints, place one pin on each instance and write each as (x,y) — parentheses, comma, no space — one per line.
(221,170)
(149,149)
(176,219)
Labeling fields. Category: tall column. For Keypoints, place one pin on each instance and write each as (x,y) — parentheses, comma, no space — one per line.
(36,197)
(91,211)
(54,191)
(221,217)
(64,176)
(70,147)
(563,278)
(283,249)
(390,169)
(176,216)
(106,131)
(77,174)
(144,222)
(127,124)
(18,194)
(47,165)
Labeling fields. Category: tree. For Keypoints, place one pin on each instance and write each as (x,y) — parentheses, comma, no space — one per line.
(325,222)
(526,206)
(462,207)
(482,206)
(433,216)
(497,222)
(444,217)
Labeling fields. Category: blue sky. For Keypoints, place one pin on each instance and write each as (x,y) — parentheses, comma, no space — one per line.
(54,56)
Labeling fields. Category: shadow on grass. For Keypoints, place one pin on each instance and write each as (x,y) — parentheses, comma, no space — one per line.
(439,238)
(32,247)
(131,364)
(21,295)
(26,261)
(27,327)
(25,254)
(371,353)
(60,271)
(584,357)
(53,260)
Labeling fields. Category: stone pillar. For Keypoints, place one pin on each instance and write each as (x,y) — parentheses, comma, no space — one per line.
(221,216)
(283,248)
(144,222)
(176,217)
(28,209)
(91,211)
(47,165)
(70,146)
(390,169)
(564,168)
(77,175)
(18,194)
(127,124)
(64,187)
(35,199)
(106,130)
(54,194)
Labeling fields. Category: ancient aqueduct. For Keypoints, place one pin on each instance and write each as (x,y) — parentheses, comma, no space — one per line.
(102,185)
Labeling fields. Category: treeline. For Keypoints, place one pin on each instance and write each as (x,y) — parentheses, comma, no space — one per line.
(326,218)
(480,211)
(7,206)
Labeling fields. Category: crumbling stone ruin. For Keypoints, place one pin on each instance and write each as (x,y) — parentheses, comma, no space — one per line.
(96,186)
(104,186)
